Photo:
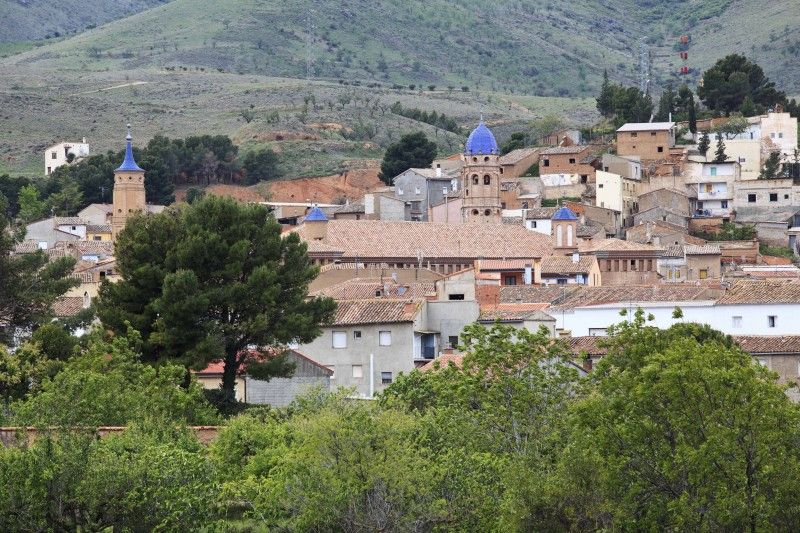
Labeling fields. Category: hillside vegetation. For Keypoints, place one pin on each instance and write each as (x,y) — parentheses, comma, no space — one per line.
(27,20)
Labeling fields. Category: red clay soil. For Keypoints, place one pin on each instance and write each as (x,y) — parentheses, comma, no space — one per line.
(351,184)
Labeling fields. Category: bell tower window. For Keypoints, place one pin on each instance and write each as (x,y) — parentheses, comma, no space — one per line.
(487,179)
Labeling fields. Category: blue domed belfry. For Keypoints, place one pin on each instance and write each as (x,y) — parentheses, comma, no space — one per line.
(480,177)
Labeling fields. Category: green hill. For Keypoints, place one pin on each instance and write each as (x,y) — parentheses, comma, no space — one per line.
(29,20)
(240,66)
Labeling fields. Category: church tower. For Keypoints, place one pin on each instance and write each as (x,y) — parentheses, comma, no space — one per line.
(480,177)
(565,229)
(128,190)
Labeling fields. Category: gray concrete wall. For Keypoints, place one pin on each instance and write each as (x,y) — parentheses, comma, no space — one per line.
(450,317)
(280,392)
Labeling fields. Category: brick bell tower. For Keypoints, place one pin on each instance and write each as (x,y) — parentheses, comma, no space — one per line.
(128,190)
(480,177)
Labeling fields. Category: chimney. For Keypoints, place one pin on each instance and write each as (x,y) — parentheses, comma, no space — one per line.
(438,171)
(528,278)
(84,140)
(649,231)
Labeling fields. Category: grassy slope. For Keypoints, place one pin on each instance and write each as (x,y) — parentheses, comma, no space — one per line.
(40,19)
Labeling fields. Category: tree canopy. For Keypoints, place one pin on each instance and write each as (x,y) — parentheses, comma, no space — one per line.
(210,280)
(411,151)
(732,80)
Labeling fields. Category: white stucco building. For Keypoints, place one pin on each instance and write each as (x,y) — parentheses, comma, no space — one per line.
(62,153)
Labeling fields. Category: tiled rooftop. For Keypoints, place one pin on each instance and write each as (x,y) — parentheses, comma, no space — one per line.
(362,288)
(515,156)
(761,292)
(515,313)
(375,311)
(565,265)
(540,213)
(569,297)
(705,249)
(616,245)
(68,306)
(375,238)
(563,150)
(769,344)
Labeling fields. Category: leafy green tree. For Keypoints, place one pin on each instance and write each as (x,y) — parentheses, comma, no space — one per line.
(719,154)
(260,165)
(735,125)
(30,206)
(704,144)
(210,280)
(630,105)
(23,371)
(67,201)
(731,80)
(10,189)
(107,385)
(772,167)
(194,194)
(411,151)
(516,141)
(681,430)
(29,284)
(748,107)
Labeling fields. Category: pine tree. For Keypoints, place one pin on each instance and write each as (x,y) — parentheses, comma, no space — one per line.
(704,144)
(605,102)
(771,168)
(719,155)
(692,116)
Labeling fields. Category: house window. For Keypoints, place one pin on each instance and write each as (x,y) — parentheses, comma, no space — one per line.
(561,281)
(524,205)
(455,297)
(474,179)
(660,149)
(452,340)
(724,204)
(772,134)
(339,339)
(771,321)
(703,273)
(571,160)
(785,196)
(502,205)
(751,198)
(386,378)
(634,134)
(510,280)
(780,135)
(547,162)
(713,171)
(487,179)
(53,155)
(416,190)
(584,178)
(699,205)
(599,185)
(97,238)
(737,322)
(358,371)
(533,223)
(773,197)
(49,170)
(384,338)
(356,334)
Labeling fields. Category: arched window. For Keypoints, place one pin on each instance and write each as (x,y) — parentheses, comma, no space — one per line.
(474,159)
(474,179)
(466,192)
(487,179)
(569,235)
(559,237)
(487,212)
(486,158)
(474,211)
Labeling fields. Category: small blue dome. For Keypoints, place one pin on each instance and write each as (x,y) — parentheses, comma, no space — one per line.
(316,215)
(481,141)
(565,213)
(129,164)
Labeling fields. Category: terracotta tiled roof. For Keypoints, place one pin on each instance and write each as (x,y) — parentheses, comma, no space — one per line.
(26,247)
(486,265)
(616,245)
(361,288)
(673,250)
(215,368)
(376,238)
(761,292)
(88,247)
(566,297)
(443,361)
(706,249)
(98,228)
(68,221)
(668,189)
(515,313)
(769,344)
(774,260)
(354,312)
(558,150)
(540,213)
(515,156)
(588,345)
(565,265)
(68,306)
(589,229)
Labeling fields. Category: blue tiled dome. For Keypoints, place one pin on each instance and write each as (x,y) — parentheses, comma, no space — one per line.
(481,141)
(129,164)
(316,215)
(565,213)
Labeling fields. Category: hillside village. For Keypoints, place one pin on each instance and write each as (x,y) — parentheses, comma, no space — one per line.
(422,267)
(605,227)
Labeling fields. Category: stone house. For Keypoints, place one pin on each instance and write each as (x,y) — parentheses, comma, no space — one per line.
(521,316)
(576,159)
(46,233)
(772,193)
(277,392)
(623,262)
(650,141)
(570,270)
(517,162)
(660,233)
(616,192)
(420,188)
(382,204)
(690,263)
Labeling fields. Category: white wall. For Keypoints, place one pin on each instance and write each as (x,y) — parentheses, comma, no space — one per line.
(608,190)
(754,317)
(542,226)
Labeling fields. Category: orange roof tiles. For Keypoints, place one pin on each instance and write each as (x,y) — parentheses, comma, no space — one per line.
(565,265)
(761,292)
(361,288)
(354,312)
